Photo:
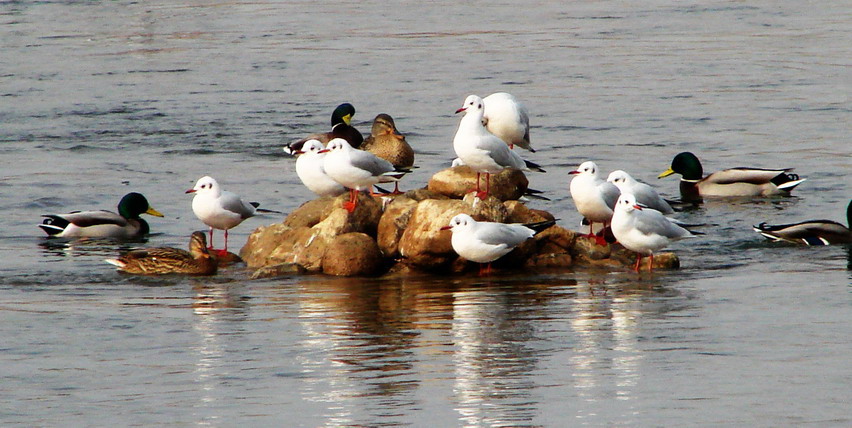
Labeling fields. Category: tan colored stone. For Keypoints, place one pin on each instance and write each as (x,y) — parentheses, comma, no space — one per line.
(520,213)
(424,243)
(392,225)
(352,254)
(458,181)
(261,243)
(364,219)
(310,213)
(587,248)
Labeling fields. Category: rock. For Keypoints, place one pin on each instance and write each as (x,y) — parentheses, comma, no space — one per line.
(309,213)
(458,181)
(585,248)
(423,243)
(226,259)
(283,269)
(550,260)
(261,243)
(352,254)
(519,213)
(393,224)
(364,219)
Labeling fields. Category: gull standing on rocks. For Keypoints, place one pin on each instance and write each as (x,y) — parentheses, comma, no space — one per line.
(482,150)
(645,194)
(309,168)
(508,119)
(219,209)
(594,197)
(357,170)
(485,241)
(643,230)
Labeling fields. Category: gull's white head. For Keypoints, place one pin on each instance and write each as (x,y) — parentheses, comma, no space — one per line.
(310,147)
(586,168)
(205,185)
(337,144)
(460,222)
(627,203)
(472,104)
(620,178)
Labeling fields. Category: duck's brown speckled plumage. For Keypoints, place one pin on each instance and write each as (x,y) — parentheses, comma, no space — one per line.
(167,260)
(387,143)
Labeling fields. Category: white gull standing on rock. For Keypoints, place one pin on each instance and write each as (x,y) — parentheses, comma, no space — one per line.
(219,209)
(485,241)
(643,230)
(645,194)
(309,167)
(482,150)
(357,170)
(508,119)
(594,197)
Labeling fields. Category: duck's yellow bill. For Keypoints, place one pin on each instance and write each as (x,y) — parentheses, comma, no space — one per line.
(347,119)
(666,173)
(153,212)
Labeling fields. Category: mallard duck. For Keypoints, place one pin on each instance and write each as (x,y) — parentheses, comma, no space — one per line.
(341,119)
(811,232)
(103,224)
(386,142)
(219,209)
(508,119)
(729,182)
(167,260)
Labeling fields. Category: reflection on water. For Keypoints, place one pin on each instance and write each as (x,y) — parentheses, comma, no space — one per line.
(371,348)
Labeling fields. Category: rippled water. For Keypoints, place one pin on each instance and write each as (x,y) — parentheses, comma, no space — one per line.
(101,98)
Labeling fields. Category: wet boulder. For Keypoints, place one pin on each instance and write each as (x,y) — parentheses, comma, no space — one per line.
(352,254)
(458,181)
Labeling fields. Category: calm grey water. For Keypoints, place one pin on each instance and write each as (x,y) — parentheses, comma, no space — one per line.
(100,98)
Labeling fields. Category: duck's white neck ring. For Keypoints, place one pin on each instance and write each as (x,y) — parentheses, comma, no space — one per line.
(689,181)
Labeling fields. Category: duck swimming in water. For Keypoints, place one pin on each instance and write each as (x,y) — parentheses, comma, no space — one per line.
(729,182)
(126,224)
(167,260)
(810,232)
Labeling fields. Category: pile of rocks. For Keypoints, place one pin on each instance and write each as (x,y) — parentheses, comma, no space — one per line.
(405,234)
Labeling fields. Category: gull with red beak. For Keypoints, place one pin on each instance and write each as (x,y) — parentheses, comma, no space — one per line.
(357,170)
(482,150)
(309,168)
(593,197)
(642,229)
(485,241)
(219,209)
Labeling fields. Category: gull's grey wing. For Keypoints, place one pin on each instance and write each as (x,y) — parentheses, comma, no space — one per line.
(233,203)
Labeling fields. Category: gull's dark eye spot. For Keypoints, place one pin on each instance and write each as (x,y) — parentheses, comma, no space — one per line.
(480,106)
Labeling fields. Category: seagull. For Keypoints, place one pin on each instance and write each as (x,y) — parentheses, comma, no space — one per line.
(309,167)
(341,127)
(485,241)
(357,170)
(594,197)
(219,209)
(167,260)
(482,150)
(729,182)
(508,119)
(645,194)
(811,232)
(103,224)
(643,230)
(386,142)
